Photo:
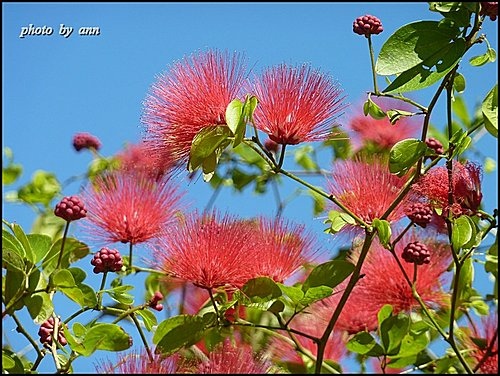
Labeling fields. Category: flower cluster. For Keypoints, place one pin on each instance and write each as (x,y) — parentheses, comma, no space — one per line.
(46,332)
(153,302)
(86,140)
(490,9)
(416,253)
(107,260)
(70,208)
(367,25)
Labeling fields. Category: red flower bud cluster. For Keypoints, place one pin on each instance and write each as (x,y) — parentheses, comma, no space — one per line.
(107,260)
(153,303)
(489,8)
(70,208)
(416,253)
(85,141)
(367,25)
(419,213)
(46,330)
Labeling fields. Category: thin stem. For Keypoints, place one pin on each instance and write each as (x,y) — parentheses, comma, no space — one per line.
(77,313)
(279,203)
(126,313)
(62,244)
(20,329)
(284,328)
(130,256)
(282,157)
(355,276)
(103,283)
(372,60)
(403,99)
(213,302)
(143,337)
(326,195)
(53,347)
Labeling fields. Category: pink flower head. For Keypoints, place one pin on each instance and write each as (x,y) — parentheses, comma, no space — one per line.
(380,133)
(313,324)
(367,189)
(296,104)
(383,283)
(467,195)
(130,208)
(207,250)
(229,359)
(193,95)
(139,158)
(138,363)
(282,248)
(483,341)
(85,140)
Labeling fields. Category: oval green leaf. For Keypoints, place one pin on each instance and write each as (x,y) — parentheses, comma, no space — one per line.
(404,154)
(330,273)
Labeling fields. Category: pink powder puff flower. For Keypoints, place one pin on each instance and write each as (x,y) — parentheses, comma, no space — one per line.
(138,157)
(467,195)
(296,104)
(137,362)
(229,359)
(130,208)
(208,250)
(312,324)
(282,248)
(193,95)
(483,341)
(367,189)
(380,133)
(384,283)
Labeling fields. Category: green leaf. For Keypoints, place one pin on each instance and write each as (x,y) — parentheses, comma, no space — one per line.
(384,313)
(14,287)
(277,307)
(9,241)
(404,154)
(149,319)
(414,44)
(74,250)
(489,109)
(11,259)
(39,306)
(330,273)
(303,159)
(363,343)
(208,141)
(7,361)
(63,281)
(235,120)
(11,173)
(465,280)
(461,141)
(40,245)
(444,6)
(177,332)
(295,293)
(459,83)
(429,72)
(394,115)
(241,179)
(42,189)
(108,337)
(314,294)
(384,231)
(392,331)
(372,109)
(261,289)
(23,239)
(489,56)
(462,232)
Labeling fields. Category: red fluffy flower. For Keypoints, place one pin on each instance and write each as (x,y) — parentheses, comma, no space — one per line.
(367,189)
(138,363)
(296,104)
(193,95)
(130,208)
(467,195)
(483,341)
(309,322)
(381,133)
(384,283)
(208,250)
(138,158)
(229,359)
(282,248)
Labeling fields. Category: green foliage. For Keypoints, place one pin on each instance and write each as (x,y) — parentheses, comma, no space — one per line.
(489,109)
(404,154)
(330,273)
(12,171)
(42,189)
(383,230)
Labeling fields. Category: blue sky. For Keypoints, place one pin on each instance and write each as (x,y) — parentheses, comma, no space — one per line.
(54,87)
